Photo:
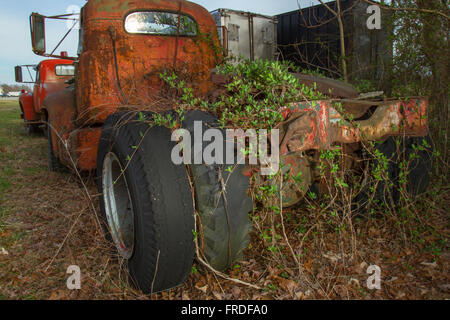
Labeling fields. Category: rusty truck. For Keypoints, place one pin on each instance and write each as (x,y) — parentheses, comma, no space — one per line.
(50,76)
(148,203)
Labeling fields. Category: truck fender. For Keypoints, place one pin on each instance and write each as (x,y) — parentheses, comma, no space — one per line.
(26,105)
(60,111)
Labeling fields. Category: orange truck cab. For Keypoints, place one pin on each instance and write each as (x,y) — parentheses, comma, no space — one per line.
(119,63)
(50,76)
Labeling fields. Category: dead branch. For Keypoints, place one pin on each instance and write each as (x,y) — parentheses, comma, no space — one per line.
(388,7)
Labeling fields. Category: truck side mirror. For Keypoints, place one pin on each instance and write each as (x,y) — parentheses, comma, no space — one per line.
(18,72)
(37,25)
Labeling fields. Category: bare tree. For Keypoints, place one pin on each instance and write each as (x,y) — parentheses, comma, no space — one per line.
(338,14)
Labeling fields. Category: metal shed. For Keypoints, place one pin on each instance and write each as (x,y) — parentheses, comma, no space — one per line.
(250,35)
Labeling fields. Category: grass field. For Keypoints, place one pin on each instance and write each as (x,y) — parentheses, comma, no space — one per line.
(47,224)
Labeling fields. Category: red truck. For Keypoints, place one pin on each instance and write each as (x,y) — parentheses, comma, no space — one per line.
(50,76)
(146,199)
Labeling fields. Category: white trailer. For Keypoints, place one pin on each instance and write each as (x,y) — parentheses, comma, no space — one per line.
(246,34)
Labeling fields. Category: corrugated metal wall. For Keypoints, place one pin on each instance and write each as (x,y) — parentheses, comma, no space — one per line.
(311,39)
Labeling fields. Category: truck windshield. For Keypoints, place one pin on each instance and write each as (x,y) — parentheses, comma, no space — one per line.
(65,70)
(160,23)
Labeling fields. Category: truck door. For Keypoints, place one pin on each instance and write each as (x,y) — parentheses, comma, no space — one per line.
(37,90)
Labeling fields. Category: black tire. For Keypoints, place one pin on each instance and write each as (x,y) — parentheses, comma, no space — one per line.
(31,129)
(377,194)
(224,216)
(418,155)
(161,200)
(53,162)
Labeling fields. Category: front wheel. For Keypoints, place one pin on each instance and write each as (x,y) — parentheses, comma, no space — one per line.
(146,203)
(53,161)
(31,129)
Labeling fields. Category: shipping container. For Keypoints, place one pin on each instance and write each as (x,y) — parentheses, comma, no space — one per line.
(310,37)
(246,34)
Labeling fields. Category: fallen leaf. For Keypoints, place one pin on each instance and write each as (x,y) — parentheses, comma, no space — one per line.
(299,295)
(332,256)
(307,265)
(256,274)
(58,295)
(202,289)
(364,266)
(373,231)
(4,252)
(257,297)
(185,296)
(446,255)
(391,280)
(401,295)
(288,285)
(273,272)
(354,281)
(423,291)
(217,295)
(428,264)
(308,294)
(236,292)
(444,287)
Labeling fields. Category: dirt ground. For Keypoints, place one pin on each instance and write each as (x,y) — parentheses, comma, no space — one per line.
(48,222)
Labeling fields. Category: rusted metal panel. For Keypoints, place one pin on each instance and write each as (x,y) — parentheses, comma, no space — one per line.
(318,125)
(296,169)
(140,58)
(61,111)
(330,87)
(83,145)
(396,118)
(26,105)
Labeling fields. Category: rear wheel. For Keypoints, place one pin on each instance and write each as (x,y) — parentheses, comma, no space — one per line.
(146,203)
(417,159)
(222,204)
(405,163)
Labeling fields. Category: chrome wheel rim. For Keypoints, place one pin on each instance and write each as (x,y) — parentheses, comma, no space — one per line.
(118,205)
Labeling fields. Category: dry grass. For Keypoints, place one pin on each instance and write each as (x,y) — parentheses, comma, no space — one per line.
(47,224)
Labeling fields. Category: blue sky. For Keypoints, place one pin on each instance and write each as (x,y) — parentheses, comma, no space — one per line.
(15,35)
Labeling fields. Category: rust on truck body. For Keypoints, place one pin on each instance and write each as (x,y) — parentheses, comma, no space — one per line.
(317,125)
(118,70)
(140,57)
